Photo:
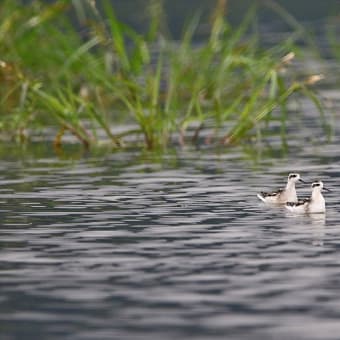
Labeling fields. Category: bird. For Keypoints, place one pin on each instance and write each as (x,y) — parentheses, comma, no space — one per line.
(315,204)
(282,196)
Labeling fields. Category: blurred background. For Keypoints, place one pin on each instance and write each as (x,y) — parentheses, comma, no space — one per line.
(310,12)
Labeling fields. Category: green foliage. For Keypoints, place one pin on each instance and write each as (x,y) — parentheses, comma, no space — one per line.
(51,75)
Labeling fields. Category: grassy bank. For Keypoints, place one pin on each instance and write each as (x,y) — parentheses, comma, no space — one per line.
(78,69)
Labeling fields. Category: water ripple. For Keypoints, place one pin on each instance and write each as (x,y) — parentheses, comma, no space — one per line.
(93,252)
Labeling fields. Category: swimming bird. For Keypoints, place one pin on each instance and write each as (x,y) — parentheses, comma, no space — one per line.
(282,196)
(314,204)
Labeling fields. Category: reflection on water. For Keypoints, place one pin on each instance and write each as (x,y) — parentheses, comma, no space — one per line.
(121,249)
(318,226)
(313,223)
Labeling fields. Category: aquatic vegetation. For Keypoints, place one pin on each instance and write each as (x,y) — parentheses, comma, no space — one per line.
(89,77)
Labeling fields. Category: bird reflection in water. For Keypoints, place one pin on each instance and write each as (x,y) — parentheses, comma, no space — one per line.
(318,226)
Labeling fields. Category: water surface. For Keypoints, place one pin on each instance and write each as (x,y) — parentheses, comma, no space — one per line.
(124,247)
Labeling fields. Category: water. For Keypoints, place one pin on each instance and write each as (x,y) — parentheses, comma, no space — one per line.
(126,247)
(312,13)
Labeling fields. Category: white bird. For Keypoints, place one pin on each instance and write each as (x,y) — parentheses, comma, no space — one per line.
(314,204)
(282,196)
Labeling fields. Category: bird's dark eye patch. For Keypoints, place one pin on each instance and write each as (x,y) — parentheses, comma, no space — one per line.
(292,176)
(315,185)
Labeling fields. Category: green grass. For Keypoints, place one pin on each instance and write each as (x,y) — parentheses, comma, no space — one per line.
(168,91)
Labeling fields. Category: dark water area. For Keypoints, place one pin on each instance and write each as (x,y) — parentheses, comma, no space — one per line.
(141,246)
(312,13)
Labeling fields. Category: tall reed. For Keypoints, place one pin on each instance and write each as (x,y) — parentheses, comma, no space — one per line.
(104,73)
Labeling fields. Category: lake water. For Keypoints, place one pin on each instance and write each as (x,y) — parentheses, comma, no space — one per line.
(139,247)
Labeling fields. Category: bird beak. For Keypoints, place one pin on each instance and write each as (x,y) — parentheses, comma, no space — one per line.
(301,180)
(327,189)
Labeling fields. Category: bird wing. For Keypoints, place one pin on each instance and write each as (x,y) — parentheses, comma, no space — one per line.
(272,194)
(299,202)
